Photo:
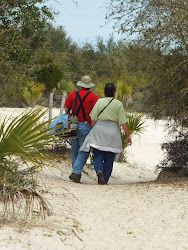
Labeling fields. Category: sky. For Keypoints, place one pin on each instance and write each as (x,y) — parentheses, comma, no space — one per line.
(84,21)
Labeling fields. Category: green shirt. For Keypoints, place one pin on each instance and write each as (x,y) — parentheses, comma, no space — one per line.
(113,112)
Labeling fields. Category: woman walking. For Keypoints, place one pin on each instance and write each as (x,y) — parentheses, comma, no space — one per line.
(107,116)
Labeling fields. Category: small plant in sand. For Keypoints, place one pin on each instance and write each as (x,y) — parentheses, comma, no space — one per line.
(135,125)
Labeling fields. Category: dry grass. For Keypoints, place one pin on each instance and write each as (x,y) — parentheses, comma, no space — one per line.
(27,202)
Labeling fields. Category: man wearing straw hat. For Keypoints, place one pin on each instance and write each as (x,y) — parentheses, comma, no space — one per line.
(84,105)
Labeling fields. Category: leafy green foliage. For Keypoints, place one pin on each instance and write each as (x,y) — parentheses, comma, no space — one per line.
(11,179)
(162,34)
(49,74)
(65,53)
(122,89)
(24,139)
(160,23)
(29,91)
(67,86)
(22,29)
(176,155)
(136,127)
(166,96)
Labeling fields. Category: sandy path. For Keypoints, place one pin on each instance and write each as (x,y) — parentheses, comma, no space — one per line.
(131,213)
(133,216)
(116,216)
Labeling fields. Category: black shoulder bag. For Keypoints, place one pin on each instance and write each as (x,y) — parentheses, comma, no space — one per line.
(105,107)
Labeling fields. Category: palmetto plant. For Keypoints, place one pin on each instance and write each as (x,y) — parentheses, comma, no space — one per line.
(136,126)
(29,91)
(122,89)
(65,86)
(23,140)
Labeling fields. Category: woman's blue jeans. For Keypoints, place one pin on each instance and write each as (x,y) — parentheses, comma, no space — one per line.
(79,158)
(103,161)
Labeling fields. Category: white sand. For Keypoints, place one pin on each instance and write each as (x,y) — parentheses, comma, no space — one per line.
(132,212)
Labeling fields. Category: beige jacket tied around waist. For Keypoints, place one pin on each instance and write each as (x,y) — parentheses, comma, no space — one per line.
(105,136)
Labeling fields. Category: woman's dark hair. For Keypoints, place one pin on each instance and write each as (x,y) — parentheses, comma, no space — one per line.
(109,89)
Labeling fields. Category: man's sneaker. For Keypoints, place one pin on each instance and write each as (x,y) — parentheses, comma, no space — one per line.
(75,177)
(101,181)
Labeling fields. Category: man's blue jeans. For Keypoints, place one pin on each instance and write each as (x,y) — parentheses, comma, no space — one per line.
(79,158)
(103,161)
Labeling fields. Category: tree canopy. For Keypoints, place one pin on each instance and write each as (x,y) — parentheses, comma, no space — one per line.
(162,30)
(22,26)
(159,22)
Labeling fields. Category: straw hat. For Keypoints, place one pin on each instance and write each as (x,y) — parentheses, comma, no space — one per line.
(85,82)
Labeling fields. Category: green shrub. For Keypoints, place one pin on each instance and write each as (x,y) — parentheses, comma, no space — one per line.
(176,159)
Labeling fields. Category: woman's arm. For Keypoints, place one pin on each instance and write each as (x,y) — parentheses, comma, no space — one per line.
(126,129)
(92,123)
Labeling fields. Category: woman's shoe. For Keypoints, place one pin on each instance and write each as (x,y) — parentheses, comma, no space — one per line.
(101,181)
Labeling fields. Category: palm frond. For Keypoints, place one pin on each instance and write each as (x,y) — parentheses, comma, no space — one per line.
(135,123)
(136,126)
(25,137)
